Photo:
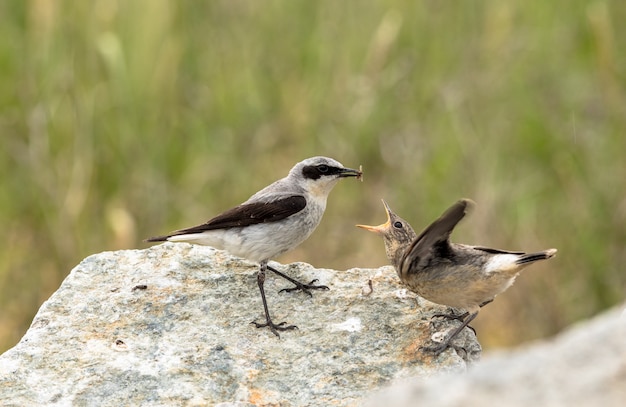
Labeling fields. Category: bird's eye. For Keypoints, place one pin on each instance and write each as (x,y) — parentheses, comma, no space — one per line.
(397,225)
(323,168)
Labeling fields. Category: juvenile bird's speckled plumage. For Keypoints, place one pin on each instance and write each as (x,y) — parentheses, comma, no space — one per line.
(452,274)
(273,221)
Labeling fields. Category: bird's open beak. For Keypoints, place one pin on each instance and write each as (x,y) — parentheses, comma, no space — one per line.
(349,172)
(380,229)
(376,229)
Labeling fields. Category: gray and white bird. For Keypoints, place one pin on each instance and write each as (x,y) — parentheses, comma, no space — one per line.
(271,222)
(452,274)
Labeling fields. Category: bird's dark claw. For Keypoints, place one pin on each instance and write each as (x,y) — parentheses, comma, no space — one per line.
(298,285)
(275,327)
(452,316)
(436,349)
(305,287)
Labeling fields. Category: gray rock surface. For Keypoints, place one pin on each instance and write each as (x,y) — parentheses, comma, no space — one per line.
(584,366)
(170,325)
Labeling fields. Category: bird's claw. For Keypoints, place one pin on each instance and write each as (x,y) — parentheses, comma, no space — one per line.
(452,316)
(438,349)
(435,349)
(305,287)
(275,327)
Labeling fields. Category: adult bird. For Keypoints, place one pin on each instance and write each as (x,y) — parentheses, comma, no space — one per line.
(271,222)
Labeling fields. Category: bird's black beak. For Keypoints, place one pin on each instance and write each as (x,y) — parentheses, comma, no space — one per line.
(349,172)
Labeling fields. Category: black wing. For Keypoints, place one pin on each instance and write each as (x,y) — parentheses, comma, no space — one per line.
(245,215)
(437,232)
(495,251)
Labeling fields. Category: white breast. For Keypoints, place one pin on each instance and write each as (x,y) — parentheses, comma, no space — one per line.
(262,241)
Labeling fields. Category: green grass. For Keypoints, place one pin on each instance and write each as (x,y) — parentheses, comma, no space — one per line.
(125,119)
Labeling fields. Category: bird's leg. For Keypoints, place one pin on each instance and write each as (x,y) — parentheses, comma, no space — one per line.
(451,316)
(268,320)
(437,349)
(298,285)
(486,302)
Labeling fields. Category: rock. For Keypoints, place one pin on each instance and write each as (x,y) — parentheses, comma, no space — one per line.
(585,366)
(170,325)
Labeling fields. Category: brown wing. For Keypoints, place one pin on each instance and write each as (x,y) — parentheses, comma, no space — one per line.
(245,215)
(437,233)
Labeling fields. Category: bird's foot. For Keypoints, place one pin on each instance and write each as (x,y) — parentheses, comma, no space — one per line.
(436,349)
(274,327)
(305,287)
(298,285)
(442,345)
(452,316)
(439,348)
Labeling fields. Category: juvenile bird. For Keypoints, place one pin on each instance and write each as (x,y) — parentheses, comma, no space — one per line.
(271,222)
(452,274)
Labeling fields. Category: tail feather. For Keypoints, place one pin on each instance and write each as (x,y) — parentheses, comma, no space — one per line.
(157,239)
(533,257)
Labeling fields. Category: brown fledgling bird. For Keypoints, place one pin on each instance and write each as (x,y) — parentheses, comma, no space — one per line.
(452,274)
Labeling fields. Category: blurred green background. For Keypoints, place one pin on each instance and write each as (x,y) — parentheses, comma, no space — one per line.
(120,120)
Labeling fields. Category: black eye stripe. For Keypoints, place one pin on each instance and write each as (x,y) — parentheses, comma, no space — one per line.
(316,171)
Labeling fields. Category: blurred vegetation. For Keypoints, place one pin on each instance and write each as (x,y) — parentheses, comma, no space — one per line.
(125,119)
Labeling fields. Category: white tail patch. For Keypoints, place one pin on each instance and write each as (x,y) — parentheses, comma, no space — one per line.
(501,262)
